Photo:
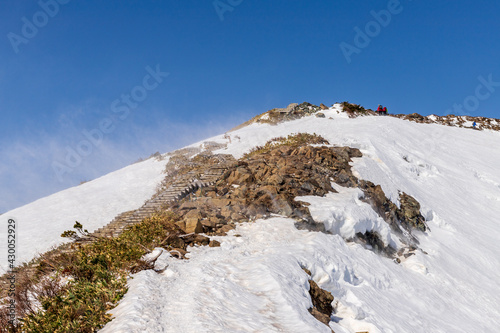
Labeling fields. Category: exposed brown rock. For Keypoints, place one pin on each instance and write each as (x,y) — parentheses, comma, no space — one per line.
(214,243)
(409,213)
(322,302)
(193,225)
(322,299)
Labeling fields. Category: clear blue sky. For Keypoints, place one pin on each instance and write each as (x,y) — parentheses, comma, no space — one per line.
(72,73)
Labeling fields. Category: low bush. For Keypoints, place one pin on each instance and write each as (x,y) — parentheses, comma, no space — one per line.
(291,140)
(351,108)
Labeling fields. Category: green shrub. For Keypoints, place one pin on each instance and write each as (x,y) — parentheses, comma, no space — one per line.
(291,140)
(353,108)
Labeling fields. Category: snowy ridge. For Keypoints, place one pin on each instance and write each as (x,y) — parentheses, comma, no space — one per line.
(449,288)
(94,204)
(254,282)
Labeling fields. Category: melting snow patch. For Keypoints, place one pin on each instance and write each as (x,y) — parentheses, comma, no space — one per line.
(345,214)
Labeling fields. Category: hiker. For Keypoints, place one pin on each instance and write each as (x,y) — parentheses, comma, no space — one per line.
(380,110)
(474,125)
(385,111)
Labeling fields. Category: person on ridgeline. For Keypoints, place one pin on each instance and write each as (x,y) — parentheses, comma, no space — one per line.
(380,110)
(385,111)
(474,125)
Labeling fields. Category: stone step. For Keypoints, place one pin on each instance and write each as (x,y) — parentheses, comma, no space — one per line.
(180,188)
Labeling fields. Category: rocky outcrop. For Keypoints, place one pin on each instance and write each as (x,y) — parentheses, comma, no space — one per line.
(211,193)
(402,220)
(322,301)
(268,180)
(266,183)
(409,213)
(483,123)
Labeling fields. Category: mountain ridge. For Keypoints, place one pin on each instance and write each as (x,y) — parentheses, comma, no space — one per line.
(405,154)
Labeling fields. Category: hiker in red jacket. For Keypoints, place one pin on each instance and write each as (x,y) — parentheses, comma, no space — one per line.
(385,111)
(380,110)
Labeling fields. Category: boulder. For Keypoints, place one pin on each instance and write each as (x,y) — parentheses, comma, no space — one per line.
(214,243)
(193,214)
(322,303)
(240,176)
(175,242)
(409,212)
(225,229)
(193,225)
(195,239)
(281,206)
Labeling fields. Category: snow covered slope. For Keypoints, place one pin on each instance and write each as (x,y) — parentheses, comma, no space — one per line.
(94,204)
(254,283)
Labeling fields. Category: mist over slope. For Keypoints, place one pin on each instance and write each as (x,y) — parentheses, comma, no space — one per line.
(255,280)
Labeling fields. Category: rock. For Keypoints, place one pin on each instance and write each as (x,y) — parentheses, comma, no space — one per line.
(220,203)
(281,206)
(240,176)
(182,225)
(214,243)
(226,211)
(409,213)
(178,253)
(240,191)
(320,115)
(237,217)
(307,187)
(321,299)
(210,222)
(291,107)
(175,242)
(255,210)
(195,239)
(323,106)
(415,117)
(275,180)
(325,319)
(225,229)
(193,225)
(189,205)
(342,177)
(193,214)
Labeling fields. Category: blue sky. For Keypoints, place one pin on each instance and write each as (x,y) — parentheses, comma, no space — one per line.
(68,66)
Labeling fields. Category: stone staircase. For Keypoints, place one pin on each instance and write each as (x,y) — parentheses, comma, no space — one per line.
(180,188)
